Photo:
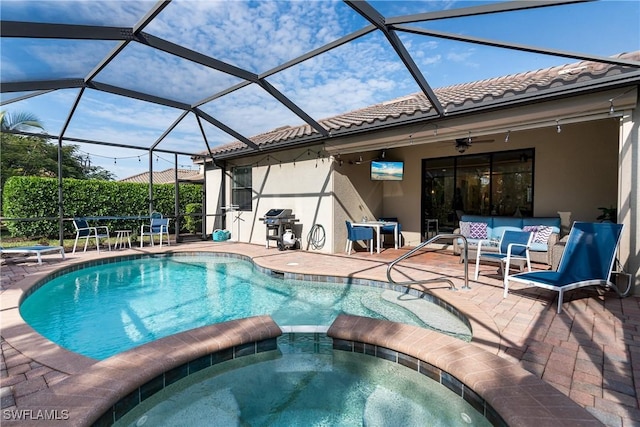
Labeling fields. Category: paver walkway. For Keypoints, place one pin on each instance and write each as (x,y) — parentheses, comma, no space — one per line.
(590,352)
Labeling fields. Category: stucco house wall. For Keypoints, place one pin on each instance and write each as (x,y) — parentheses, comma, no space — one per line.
(299,180)
(593,162)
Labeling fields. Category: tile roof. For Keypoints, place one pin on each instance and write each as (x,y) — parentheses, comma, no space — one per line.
(461,98)
(164,177)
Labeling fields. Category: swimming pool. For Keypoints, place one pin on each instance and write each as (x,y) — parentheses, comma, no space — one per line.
(305,382)
(104,309)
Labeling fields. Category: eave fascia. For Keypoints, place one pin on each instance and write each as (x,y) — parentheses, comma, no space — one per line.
(587,106)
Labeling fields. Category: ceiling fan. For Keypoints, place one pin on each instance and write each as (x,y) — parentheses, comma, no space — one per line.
(462,144)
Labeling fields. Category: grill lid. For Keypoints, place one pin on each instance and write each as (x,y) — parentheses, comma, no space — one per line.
(278,213)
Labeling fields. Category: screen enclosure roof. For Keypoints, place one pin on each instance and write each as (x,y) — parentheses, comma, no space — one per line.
(190,77)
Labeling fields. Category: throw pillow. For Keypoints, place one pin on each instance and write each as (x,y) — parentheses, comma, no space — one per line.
(543,234)
(531,228)
(465,228)
(478,230)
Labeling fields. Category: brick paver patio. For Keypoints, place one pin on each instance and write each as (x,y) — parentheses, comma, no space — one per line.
(590,352)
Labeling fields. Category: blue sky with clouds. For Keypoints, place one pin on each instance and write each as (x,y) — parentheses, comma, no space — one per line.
(258,36)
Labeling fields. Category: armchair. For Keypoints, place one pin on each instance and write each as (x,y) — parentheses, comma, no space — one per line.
(358,233)
(514,245)
(390,229)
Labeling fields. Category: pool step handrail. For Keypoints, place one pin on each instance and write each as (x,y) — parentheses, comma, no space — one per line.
(465,245)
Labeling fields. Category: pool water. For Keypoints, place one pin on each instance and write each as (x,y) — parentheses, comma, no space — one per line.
(294,387)
(103,310)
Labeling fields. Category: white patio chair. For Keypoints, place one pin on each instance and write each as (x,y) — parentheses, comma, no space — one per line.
(85,231)
(157,227)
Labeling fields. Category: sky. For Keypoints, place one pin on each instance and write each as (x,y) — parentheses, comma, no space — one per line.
(259,36)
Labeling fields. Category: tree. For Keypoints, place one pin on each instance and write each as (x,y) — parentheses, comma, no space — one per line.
(19,121)
(34,156)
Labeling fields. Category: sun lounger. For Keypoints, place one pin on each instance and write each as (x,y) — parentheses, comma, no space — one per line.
(33,250)
(587,260)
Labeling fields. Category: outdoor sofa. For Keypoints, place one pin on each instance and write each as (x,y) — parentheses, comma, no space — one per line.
(475,228)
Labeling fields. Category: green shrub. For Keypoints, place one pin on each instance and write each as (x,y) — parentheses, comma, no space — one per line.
(193,224)
(35,197)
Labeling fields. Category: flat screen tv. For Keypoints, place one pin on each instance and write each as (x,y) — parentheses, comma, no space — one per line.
(387,171)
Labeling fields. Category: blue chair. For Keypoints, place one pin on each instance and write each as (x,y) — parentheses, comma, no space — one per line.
(389,229)
(84,231)
(358,233)
(514,245)
(158,227)
(587,260)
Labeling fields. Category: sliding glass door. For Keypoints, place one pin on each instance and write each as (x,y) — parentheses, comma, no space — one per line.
(483,184)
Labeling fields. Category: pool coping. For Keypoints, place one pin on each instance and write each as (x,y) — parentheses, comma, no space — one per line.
(485,340)
(511,393)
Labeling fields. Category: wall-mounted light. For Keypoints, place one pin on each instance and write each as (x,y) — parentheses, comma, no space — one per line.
(506,138)
(558,128)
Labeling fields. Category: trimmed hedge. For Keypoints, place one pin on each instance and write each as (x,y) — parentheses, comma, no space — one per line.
(36,197)
(193,224)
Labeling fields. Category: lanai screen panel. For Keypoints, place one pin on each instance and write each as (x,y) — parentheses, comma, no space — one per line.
(250,67)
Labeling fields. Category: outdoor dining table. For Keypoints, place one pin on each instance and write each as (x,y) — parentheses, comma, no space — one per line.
(377,225)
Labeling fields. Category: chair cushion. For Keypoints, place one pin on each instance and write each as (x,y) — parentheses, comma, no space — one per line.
(497,232)
(390,229)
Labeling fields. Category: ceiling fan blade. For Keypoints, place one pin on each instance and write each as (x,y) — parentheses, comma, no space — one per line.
(469,141)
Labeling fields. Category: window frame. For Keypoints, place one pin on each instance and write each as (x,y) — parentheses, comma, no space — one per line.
(447,173)
(242,188)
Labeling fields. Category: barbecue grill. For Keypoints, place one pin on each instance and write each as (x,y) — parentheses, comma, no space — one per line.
(278,223)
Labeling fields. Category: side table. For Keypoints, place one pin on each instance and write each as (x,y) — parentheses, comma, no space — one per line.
(120,239)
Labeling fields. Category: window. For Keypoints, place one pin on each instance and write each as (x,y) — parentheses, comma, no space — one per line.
(484,184)
(241,190)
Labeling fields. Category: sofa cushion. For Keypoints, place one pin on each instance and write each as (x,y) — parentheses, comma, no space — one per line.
(474,230)
(553,222)
(478,218)
(465,228)
(507,221)
(478,230)
(539,247)
(541,233)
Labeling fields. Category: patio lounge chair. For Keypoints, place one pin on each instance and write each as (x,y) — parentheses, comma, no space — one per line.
(587,260)
(33,250)
(158,227)
(85,231)
(513,246)
(358,233)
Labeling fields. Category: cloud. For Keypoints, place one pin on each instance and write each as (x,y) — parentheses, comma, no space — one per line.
(91,12)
